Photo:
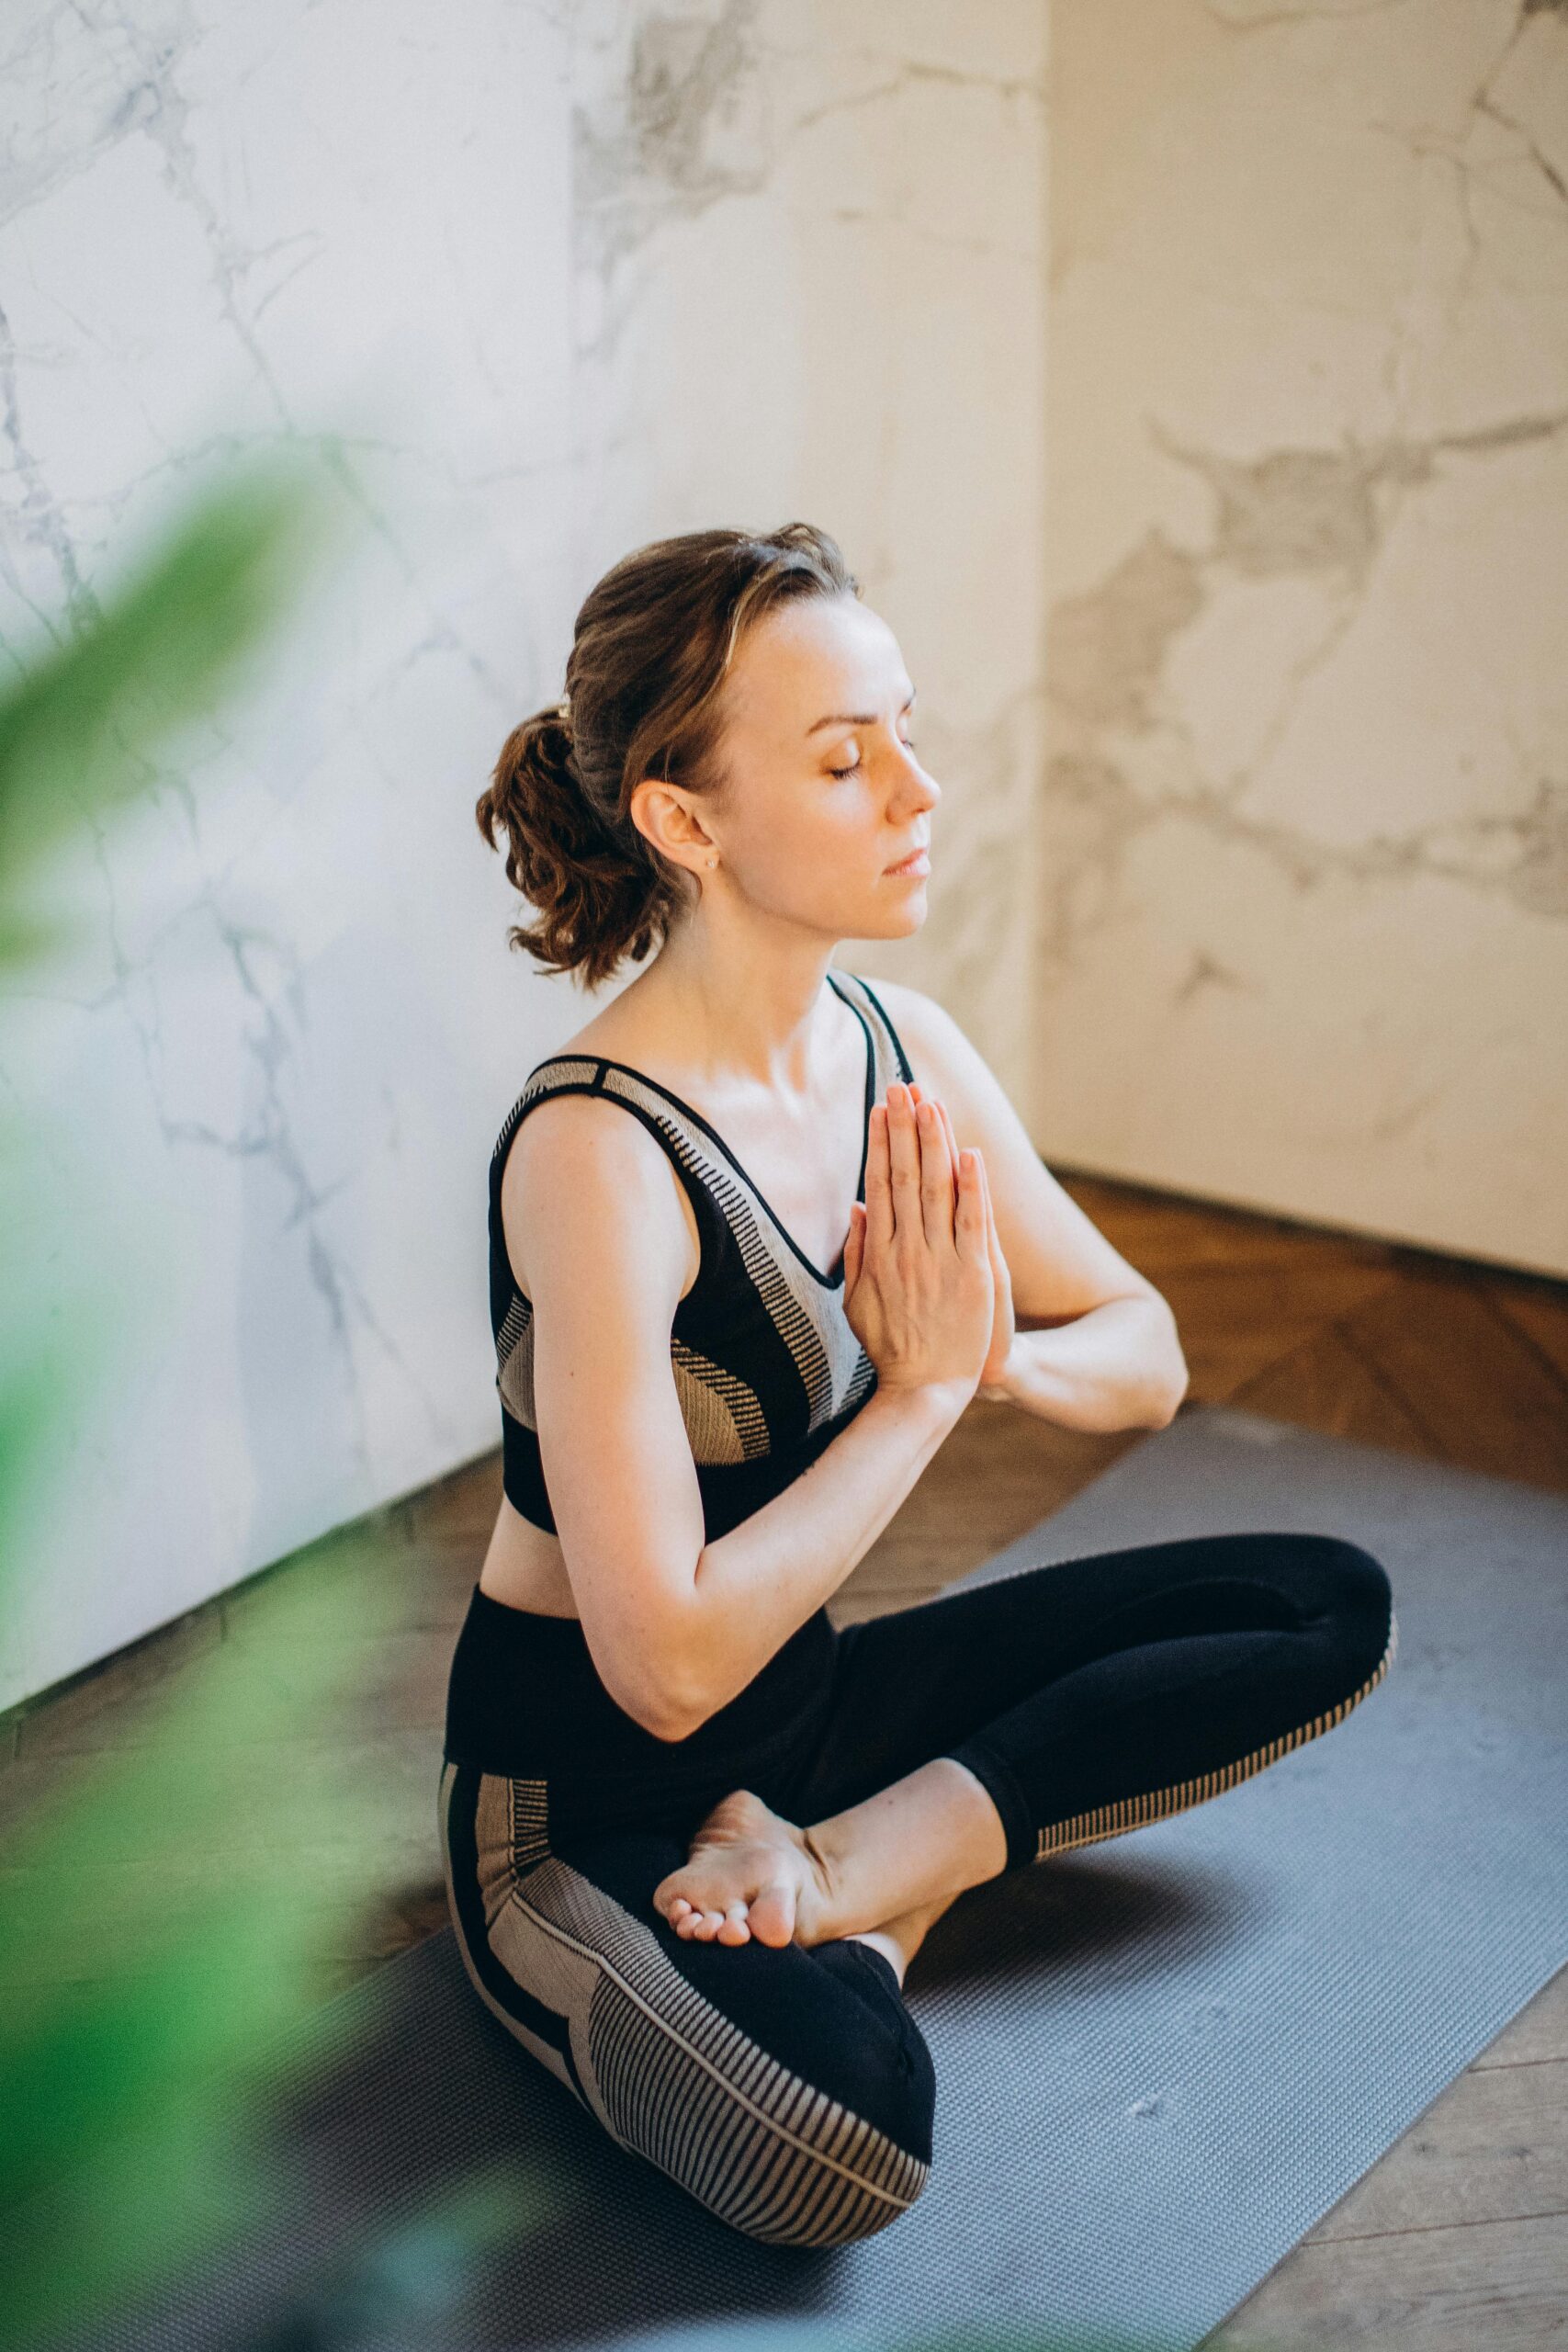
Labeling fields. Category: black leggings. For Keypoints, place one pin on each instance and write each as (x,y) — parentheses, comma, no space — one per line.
(789,2089)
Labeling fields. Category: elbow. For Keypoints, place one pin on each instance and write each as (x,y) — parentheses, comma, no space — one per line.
(657,1693)
(1167,1378)
(673,1730)
(668,1719)
(645,1637)
(656,1703)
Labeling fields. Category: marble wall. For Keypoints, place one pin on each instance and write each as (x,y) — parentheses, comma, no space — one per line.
(1303,882)
(528,287)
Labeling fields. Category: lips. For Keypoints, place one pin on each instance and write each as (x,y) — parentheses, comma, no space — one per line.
(917,861)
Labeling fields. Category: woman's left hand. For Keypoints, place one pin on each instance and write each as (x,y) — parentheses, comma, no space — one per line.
(992,1374)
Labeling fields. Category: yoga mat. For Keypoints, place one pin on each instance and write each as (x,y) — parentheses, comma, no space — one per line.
(1160,2058)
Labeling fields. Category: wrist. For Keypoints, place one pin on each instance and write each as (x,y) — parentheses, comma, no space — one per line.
(941,1402)
(1003,1388)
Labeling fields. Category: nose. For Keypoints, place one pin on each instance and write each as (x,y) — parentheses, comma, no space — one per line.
(916,789)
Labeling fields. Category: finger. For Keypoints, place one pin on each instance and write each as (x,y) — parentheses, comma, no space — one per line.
(854,1245)
(951,1139)
(904,1153)
(951,1153)
(993,1240)
(993,1243)
(936,1178)
(990,1206)
(969,1223)
(878,1181)
(999,1263)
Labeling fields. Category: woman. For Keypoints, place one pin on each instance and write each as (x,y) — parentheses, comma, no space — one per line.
(693,1834)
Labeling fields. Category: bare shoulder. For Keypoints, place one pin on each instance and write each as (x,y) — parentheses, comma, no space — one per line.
(585,1172)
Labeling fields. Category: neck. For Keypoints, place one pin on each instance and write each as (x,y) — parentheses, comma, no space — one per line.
(739,1002)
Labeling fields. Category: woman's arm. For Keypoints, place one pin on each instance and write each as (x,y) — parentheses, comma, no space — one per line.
(676,1626)
(1119,1366)
(757,1585)
(920,1293)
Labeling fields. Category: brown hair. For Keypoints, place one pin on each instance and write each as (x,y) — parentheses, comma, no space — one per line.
(653,644)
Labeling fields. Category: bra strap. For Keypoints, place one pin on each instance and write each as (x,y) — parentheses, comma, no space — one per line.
(869,999)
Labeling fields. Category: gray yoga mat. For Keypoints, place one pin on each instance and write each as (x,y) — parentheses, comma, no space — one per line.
(1159,2059)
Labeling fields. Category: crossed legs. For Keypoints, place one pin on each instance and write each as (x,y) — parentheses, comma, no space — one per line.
(1064,1703)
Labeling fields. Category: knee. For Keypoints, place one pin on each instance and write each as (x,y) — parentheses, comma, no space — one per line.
(857,2180)
(834,2205)
(1367,1593)
(1354,1593)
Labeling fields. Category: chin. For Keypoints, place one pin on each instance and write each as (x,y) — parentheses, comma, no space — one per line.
(899,918)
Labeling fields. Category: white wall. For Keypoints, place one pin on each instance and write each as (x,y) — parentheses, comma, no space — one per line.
(559,282)
(1304,842)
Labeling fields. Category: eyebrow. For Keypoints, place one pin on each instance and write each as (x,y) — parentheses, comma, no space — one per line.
(855,717)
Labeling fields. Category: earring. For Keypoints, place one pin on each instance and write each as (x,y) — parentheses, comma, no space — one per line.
(713,861)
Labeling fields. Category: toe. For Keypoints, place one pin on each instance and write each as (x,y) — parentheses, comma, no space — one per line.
(771,1915)
(735,1929)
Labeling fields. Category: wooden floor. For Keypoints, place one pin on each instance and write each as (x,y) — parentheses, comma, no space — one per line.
(1456,2241)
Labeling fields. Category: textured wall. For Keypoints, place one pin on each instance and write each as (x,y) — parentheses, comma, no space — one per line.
(536,285)
(1305,879)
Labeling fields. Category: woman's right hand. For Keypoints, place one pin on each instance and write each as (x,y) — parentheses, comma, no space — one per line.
(918,1291)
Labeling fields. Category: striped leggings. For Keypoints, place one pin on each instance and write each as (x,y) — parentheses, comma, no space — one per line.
(790,2090)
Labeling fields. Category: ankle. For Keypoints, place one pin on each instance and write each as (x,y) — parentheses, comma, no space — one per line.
(926,1839)
(832,1914)
(863,1881)
(891,1947)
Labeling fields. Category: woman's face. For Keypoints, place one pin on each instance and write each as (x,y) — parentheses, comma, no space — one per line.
(826,793)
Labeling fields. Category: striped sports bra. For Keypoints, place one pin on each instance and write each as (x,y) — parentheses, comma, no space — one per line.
(766,1367)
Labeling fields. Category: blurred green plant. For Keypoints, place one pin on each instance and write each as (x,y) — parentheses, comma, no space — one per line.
(172,1908)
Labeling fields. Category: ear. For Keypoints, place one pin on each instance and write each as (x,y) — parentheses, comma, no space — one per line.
(667,819)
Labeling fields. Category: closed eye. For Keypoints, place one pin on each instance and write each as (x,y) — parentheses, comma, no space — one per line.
(908,741)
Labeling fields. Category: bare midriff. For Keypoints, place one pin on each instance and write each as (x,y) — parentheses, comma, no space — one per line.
(525,1568)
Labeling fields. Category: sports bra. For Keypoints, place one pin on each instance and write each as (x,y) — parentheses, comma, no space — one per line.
(766,1367)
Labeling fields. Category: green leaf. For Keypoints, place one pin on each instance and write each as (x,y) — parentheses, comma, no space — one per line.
(90,702)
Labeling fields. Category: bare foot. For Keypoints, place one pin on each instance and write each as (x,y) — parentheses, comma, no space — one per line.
(749,1873)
